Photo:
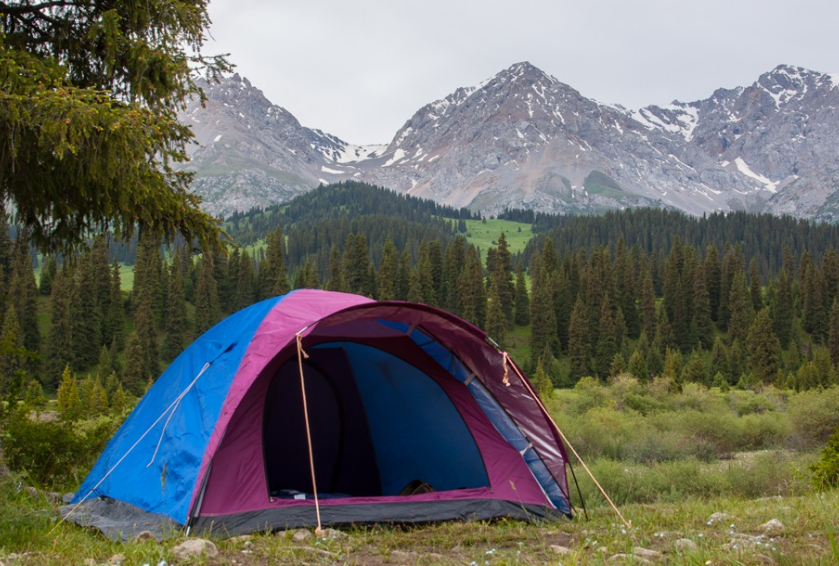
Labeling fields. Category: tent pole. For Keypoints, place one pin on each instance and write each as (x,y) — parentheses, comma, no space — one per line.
(507,363)
(300,355)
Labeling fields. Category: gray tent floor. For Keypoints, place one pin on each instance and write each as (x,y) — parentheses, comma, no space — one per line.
(120,521)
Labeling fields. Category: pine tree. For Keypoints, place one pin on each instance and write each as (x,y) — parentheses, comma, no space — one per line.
(522,299)
(59,346)
(504,278)
(578,341)
(176,323)
(782,309)
(13,357)
(69,405)
(101,274)
(764,349)
(754,285)
(647,306)
(115,333)
(134,377)
(833,337)
(48,273)
(22,293)
(606,345)
(473,298)
(273,277)
(695,370)
(702,325)
(496,323)
(147,337)
(336,280)
(713,274)
(388,270)
(739,308)
(719,361)
(245,290)
(85,318)
(543,319)
(207,309)
(637,366)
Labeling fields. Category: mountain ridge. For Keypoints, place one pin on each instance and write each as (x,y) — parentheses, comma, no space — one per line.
(524,139)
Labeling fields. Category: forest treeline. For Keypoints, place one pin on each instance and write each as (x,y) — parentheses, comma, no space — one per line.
(642,303)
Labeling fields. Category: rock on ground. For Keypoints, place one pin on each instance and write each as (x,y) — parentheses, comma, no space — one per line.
(685,545)
(646,553)
(627,558)
(116,559)
(194,548)
(561,550)
(772,527)
(719,518)
(301,535)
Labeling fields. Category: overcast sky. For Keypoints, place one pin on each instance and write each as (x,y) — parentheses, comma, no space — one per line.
(359,69)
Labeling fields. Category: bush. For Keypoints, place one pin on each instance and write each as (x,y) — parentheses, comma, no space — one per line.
(814,415)
(53,454)
(826,469)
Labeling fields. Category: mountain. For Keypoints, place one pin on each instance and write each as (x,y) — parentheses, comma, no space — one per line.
(523,139)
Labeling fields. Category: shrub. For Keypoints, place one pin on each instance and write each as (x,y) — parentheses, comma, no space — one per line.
(826,468)
(814,415)
(52,453)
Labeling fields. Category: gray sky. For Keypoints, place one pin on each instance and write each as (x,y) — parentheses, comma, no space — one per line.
(358,69)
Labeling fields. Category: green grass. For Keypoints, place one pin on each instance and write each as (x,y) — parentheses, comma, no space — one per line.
(484,234)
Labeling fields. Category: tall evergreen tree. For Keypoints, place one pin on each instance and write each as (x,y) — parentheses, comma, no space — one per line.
(740,308)
(176,322)
(336,279)
(115,334)
(647,306)
(754,285)
(59,352)
(606,345)
(542,319)
(388,270)
(578,341)
(522,299)
(833,335)
(764,349)
(496,323)
(782,309)
(702,325)
(473,298)
(207,309)
(23,291)
(273,276)
(713,275)
(85,318)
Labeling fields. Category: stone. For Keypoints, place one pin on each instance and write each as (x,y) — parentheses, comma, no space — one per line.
(116,559)
(561,550)
(627,558)
(240,538)
(719,518)
(401,557)
(31,491)
(685,545)
(332,533)
(89,562)
(67,497)
(772,528)
(194,548)
(765,559)
(646,553)
(145,536)
(301,535)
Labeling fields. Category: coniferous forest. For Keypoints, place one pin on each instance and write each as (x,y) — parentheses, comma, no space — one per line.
(728,300)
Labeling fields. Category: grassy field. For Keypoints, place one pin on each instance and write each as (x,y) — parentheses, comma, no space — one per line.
(700,477)
(484,234)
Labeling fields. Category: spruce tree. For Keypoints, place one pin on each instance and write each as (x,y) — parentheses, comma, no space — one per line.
(713,274)
(207,309)
(134,376)
(13,357)
(69,404)
(522,299)
(336,280)
(764,349)
(115,333)
(387,271)
(702,326)
(606,345)
(23,291)
(147,337)
(754,285)
(273,276)
(740,308)
(833,335)
(578,341)
(637,366)
(542,319)
(496,323)
(85,318)
(647,306)
(782,309)
(59,351)
(176,323)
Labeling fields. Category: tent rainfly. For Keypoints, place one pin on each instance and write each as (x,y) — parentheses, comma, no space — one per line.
(319,407)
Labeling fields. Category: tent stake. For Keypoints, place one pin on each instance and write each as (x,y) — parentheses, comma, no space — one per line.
(300,355)
(562,435)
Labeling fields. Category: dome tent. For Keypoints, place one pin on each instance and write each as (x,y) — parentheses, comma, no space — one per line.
(396,394)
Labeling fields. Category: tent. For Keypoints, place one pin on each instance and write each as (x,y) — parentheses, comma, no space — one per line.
(410,414)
